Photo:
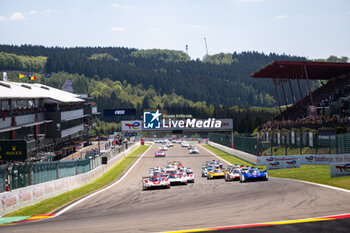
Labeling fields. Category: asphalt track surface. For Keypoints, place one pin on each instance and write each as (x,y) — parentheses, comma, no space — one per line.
(204,204)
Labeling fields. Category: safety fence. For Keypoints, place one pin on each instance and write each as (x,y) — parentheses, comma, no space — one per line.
(343,143)
(33,194)
(19,175)
(286,142)
(246,144)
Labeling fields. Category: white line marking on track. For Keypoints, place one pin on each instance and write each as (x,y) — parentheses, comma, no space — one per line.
(301,181)
(102,190)
(261,223)
(321,185)
(216,155)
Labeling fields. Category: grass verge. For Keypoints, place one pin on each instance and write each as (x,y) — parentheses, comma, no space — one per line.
(314,173)
(53,203)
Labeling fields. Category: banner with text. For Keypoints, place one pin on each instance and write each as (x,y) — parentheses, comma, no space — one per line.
(306,159)
(340,169)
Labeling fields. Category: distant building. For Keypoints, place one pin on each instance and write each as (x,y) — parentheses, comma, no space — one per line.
(49,119)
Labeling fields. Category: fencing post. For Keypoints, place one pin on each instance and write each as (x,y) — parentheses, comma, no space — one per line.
(285,142)
(316,143)
(336,144)
(31,173)
(7,179)
(57,170)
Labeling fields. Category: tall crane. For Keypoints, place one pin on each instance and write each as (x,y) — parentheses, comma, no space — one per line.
(206,47)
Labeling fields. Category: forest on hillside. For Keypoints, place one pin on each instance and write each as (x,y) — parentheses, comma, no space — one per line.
(221,79)
(218,86)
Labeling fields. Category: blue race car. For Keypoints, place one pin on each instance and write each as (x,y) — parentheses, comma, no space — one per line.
(205,170)
(253,174)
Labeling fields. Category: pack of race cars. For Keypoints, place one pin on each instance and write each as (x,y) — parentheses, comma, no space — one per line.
(214,169)
(175,173)
(166,176)
(166,144)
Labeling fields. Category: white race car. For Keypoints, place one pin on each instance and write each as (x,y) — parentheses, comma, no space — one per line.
(155,171)
(163,148)
(176,178)
(232,174)
(193,150)
(190,175)
(184,144)
(155,181)
(170,168)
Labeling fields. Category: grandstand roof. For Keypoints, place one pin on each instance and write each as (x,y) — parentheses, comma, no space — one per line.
(14,90)
(295,70)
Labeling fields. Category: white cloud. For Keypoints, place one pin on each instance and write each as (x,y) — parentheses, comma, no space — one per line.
(33,12)
(17,16)
(348,12)
(281,16)
(2,18)
(196,26)
(115,5)
(117,29)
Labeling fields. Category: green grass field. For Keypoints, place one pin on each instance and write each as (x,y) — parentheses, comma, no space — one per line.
(313,173)
(51,204)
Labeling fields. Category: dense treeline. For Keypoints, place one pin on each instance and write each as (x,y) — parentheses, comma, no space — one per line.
(164,79)
(221,79)
(9,61)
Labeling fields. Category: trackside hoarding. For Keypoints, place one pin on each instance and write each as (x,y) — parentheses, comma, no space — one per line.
(283,164)
(340,169)
(306,159)
(131,125)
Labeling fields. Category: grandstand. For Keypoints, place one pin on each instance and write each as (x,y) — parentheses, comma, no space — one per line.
(318,123)
(327,106)
(49,119)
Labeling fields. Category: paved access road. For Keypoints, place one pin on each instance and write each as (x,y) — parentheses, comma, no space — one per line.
(206,203)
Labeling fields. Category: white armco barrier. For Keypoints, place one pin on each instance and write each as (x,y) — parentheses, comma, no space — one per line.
(239,154)
(30,195)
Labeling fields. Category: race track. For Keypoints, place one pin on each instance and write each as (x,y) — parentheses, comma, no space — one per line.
(206,203)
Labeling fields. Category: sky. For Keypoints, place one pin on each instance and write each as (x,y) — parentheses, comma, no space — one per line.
(310,28)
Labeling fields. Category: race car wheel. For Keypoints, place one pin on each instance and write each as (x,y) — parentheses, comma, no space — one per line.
(242,179)
(226,179)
